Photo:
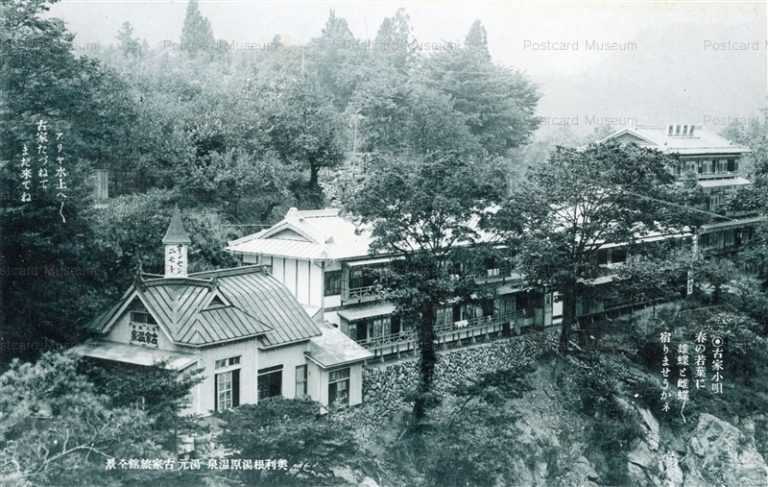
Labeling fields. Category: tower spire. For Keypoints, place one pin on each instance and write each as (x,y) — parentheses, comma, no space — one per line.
(176,241)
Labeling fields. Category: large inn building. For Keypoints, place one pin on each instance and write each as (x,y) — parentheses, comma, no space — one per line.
(322,257)
(302,314)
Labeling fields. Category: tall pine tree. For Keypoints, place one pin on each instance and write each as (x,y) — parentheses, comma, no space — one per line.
(196,35)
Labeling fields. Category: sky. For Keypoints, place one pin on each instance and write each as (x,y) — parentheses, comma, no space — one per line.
(595,62)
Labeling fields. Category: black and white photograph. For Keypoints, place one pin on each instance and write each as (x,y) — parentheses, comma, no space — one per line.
(370,243)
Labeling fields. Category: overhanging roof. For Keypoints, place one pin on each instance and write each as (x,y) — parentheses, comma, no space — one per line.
(334,348)
(358,263)
(724,182)
(741,222)
(367,311)
(133,354)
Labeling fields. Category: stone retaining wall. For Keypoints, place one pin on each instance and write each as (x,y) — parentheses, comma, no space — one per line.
(385,387)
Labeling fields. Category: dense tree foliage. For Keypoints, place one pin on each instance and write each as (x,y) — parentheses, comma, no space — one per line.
(427,211)
(196,35)
(296,431)
(576,203)
(56,428)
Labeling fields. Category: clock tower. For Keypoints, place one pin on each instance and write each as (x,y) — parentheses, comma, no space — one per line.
(176,241)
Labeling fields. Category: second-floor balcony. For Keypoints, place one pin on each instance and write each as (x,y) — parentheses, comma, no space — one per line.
(362,294)
(358,284)
(406,340)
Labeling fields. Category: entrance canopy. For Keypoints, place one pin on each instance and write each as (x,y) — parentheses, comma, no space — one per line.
(133,354)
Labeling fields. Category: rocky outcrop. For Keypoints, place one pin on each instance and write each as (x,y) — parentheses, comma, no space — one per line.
(716,453)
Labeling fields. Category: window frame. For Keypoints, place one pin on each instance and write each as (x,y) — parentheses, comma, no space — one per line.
(301,380)
(149,320)
(337,377)
(227,362)
(276,370)
(332,283)
(233,389)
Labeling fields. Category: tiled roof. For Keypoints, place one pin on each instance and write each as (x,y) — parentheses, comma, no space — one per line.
(314,234)
(309,234)
(702,141)
(255,305)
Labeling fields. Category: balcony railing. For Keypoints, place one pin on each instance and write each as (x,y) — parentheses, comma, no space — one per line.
(363,294)
(406,340)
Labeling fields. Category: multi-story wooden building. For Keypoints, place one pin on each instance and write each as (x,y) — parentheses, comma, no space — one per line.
(717,165)
(242,327)
(323,258)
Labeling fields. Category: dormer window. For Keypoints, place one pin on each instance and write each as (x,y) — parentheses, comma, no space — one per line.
(142,317)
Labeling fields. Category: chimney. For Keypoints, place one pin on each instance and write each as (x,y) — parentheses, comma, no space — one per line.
(669,129)
(690,130)
(176,241)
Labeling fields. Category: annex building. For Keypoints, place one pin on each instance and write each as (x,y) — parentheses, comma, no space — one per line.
(242,327)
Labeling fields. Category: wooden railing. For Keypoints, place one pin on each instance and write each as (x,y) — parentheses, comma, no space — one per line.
(406,340)
(360,294)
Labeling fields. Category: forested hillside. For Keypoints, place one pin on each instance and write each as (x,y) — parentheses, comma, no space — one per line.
(235,136)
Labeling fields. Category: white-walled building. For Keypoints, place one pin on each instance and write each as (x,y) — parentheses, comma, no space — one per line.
(241,326)
(323,258)
(717,166)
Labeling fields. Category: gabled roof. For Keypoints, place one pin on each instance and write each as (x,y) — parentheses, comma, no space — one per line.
(324,234)
(702,141)
(317,235)
(255,305)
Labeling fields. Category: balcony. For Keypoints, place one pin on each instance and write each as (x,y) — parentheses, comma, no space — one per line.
(359,295)
(470,329)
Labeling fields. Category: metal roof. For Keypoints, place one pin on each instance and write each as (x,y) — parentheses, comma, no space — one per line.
(723,182)
(367,311)
(176,234)
(334,348)
(258,305)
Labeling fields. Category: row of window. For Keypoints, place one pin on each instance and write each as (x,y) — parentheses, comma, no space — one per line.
(366,276)
(524,304)
(270,384)
(725,238)
(707,166)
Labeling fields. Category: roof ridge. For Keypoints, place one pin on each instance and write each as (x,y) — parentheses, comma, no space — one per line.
(165,281)
(233,271)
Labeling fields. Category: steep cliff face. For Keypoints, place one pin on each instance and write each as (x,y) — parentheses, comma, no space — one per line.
(561,451)
(714,453)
